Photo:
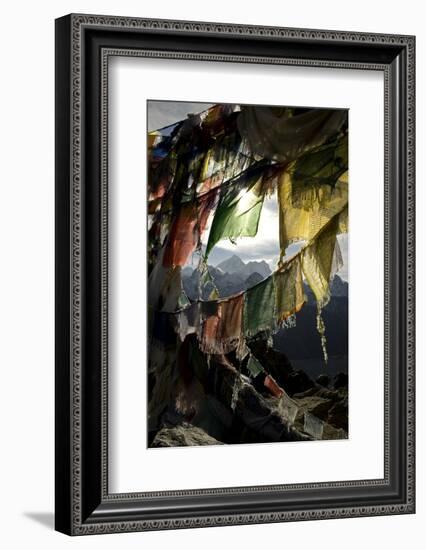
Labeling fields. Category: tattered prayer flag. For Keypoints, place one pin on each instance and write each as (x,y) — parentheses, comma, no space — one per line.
(281,134)
(187,321)
(186,230)
(254,367)
(183,237)
(239,208)
(302,222)
(290,295)
(287,408)
(153,138)
(313,425)
(183,300)
(222,331)
(343,221)
(271,384)
(317,261)
(323,166)
(231,315)
(259,308)
(160,142)
(209,340)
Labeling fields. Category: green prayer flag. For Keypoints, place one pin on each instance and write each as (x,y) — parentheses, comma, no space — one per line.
(238,211)
(259,308)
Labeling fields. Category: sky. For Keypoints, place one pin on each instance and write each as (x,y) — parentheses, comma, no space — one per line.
(265,245)
(164,113)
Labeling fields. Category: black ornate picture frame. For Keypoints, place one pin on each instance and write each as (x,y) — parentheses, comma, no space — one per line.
(84,43)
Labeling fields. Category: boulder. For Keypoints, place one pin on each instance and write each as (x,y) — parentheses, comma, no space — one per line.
(340,380)
(317,406)
(338,414)
(323,380)
(298,382)
(184,435)
(275,362)
(330,432)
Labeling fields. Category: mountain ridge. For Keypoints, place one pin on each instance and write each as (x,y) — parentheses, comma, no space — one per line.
(235,264)
(233,275)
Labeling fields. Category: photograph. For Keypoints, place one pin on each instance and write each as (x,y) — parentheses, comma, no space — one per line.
(248,273)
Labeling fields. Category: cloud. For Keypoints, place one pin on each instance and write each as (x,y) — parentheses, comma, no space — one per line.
(245,250)
(344,247)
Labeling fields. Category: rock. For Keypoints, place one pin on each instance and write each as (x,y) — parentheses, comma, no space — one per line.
(338,414)
(276,363)
(306,393)
(214,418)
(330,432)
(313,426)
(334,395)
(323,380)
(318,406)
(340,380)
(319,391)
(298,382)
(184,435)
(256,418)
(264,417)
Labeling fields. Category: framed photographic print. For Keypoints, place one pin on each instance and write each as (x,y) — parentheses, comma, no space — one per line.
(234,274)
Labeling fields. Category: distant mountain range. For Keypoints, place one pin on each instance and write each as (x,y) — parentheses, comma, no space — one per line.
(235,264)
(233,275)
(230,276)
